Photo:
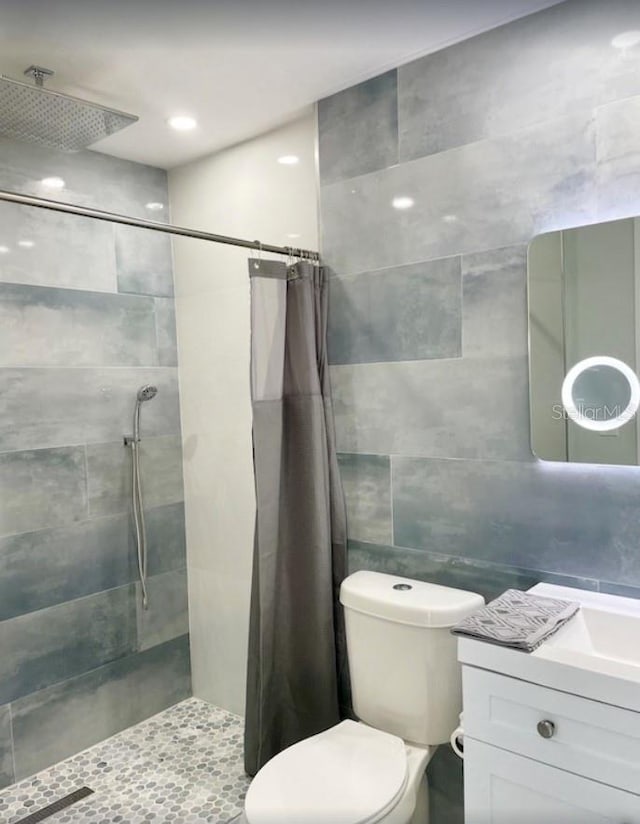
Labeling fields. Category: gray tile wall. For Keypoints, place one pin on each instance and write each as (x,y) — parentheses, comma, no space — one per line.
(86,317)
(66,718)
(530,127)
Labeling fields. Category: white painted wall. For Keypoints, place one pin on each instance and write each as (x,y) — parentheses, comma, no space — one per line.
(243,192)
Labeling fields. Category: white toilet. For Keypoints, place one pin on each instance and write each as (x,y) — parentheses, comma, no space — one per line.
(406,687)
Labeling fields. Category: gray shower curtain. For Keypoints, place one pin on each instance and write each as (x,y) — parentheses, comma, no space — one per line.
(297,662)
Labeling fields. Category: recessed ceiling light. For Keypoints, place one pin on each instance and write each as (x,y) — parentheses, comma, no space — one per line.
(4,250)
(626,40)
(182,123)
(154,206)
(26,244)
(289,160)
(402,202)
(293,235)
(53,182)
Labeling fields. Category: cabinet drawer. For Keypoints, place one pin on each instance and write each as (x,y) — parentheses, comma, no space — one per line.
(503,788)
(588,738)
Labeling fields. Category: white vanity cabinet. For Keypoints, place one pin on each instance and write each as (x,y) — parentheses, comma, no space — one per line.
(535,755)
(504,788)
(553,737)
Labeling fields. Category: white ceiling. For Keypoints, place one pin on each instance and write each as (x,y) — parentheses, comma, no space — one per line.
(240,67)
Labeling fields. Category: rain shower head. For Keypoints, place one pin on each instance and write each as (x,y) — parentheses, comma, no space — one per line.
(52,119)
(147,393)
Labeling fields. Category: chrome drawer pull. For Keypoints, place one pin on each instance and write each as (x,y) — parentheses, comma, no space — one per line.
(546,729)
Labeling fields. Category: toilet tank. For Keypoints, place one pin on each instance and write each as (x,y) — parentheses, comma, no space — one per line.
(405,676)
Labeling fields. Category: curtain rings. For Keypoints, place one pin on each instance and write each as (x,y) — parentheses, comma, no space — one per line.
(256,263)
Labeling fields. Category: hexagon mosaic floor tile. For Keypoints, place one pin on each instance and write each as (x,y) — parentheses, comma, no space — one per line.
(184,766)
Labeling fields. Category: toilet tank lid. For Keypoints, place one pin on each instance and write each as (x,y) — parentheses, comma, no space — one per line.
(406,601)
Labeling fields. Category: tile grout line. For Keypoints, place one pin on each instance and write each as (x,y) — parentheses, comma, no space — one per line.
(156,331)
(408,362)
(442,458)
(423,260)
(480,563)
(85,521)
(86,481)
(397,73)
(393,526)
(73,600)
(13,743)
(45,448)
(81,675)
(587,113)
(88,367)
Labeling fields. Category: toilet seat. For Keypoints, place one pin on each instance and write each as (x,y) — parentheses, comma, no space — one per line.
(349,774)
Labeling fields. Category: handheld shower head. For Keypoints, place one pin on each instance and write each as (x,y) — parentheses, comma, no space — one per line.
(147,393)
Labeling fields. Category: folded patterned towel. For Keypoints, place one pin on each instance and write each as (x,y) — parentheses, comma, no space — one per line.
(517,619)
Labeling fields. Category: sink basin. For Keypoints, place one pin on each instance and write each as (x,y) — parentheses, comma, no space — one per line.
(597,633)
(596,654)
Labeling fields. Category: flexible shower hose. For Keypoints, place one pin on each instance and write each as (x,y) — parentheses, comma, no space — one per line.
(138,518)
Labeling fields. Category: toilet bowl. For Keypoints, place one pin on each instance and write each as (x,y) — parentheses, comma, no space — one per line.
(349,774)
(406,690)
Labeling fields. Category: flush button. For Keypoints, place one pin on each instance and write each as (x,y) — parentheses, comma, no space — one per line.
(546,729)
(402,587)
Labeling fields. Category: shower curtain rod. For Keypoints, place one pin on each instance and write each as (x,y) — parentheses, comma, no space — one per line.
(167,228)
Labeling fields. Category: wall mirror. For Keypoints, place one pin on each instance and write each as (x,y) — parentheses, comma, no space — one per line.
(584,343)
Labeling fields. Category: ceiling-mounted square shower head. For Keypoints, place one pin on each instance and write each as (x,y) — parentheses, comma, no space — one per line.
(52,119)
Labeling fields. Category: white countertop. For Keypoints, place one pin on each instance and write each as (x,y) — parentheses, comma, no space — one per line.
(595,655)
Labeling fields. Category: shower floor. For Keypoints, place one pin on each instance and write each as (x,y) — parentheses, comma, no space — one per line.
(184,765)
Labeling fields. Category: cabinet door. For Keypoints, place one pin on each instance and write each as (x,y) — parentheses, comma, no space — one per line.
(504,788)
(591,739)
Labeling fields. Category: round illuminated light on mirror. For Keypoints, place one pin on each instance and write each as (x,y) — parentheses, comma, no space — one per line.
(53,182)
(402,202)
(578,411)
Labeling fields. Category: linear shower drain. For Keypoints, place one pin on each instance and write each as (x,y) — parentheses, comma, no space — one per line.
(57,806)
